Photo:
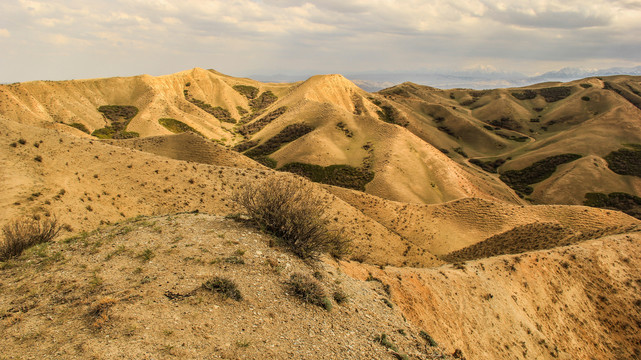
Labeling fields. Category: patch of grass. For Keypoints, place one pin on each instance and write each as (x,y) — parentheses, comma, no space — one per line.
(285,208)
(389,114)
(146,255)
(24,233)
(263,101)
(519,180)
(586,85)
(309,290)
(223,286)
(176,126)
(340,297)
(218,112)
(506,123)
(489,166)
(245,145)
(249,92)
(338,175)
(119,117)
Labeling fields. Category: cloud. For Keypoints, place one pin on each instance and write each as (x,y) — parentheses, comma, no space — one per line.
(315,36)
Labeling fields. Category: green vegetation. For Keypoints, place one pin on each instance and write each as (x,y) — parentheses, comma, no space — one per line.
(551,94)
(218,112)
(506,123)
(287,208)
(512,137)
(338,175)
(390,115)
(309,290)
(628,203)
(385,341)
(223,286)
(261,123)
(249,92)
(489,166)
(460,151)
(263,101)
(585,98)
(430,341)
(625,161)
(118,112)
(176,126)
(24,233)
(525,95)
(80,127)
(119,116)
(586,85)
(245,145)
(446,130)
(519,180)
(285,136)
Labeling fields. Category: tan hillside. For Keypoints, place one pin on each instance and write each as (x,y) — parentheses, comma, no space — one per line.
(442,248)
(135,290)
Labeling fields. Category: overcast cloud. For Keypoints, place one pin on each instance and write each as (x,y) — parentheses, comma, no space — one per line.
(65,39)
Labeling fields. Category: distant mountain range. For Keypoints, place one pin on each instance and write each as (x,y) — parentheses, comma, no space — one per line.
(468,79)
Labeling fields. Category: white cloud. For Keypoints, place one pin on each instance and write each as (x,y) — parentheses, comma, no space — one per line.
(4,33)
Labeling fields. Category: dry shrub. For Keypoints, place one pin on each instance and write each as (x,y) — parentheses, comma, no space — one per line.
(23,233)
(288,208)
(224,286)
(309,290)
(99,312)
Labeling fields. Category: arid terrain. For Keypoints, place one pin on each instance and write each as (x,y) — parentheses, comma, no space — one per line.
(494,224)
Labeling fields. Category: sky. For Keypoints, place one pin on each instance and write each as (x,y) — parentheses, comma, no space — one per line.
(73,39)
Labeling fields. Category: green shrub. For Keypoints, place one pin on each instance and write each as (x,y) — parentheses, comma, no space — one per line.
(553,94)
(23,233)
(309,290)
(389,114)
(628,203)
(223,286)
(585,98)
(625,161)
(586,85)
(489,166)
(338,175)
(118,112)
(525,95)
(288,209)
(80,127)
(261,123)
(176,126)
(249,92)
(285,136)
(519,180)
(263,101)
(385,341)
(430,341)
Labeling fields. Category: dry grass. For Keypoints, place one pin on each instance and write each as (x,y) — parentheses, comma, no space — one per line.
(23,233)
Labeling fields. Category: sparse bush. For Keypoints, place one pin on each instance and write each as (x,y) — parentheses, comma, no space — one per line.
(585,98)
(223,286)
(23,233)
(309,290)
(340,296)
(385,341)
(22,141)
(38,158)
(288,209)
(338,175)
